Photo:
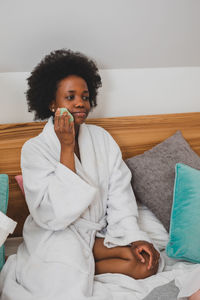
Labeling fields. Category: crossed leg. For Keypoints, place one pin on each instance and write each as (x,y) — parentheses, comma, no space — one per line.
(120,260)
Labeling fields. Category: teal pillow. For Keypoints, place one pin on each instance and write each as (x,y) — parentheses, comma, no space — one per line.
(184,235)
(4,184)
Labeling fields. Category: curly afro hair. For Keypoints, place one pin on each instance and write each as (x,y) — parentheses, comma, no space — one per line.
(44,79)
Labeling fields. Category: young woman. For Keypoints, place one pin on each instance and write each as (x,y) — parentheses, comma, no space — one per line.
(83,214)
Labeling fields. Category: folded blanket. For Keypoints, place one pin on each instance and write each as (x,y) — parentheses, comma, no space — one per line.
(7,226)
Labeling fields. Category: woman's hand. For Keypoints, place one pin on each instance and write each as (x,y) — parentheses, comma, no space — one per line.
(64,129)
(66,134)
(143,246)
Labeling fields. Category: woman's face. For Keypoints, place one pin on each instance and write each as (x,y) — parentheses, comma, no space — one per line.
(73,94)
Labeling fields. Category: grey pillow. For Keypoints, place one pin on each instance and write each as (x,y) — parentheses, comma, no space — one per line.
(153,174)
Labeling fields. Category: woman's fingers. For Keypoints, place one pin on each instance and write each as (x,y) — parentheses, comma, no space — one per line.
(138,254)
(61,122)
(64,122)
(140,246)
(64,129)
(153,258)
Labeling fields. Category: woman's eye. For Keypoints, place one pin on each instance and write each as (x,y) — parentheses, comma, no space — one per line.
(71,97)
(86,98)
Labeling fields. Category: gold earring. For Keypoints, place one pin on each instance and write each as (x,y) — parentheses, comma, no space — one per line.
(53,110)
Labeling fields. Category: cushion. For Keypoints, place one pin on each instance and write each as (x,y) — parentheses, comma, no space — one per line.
(4,184)
(153,174)
(19,180)
(148,223)
(184,236)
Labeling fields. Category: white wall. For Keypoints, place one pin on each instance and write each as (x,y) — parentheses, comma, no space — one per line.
(125,92)
(116,33)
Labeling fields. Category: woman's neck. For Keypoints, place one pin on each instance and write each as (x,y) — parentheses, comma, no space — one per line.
(76,127)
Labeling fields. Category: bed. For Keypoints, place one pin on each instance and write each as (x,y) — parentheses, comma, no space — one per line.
(134,135)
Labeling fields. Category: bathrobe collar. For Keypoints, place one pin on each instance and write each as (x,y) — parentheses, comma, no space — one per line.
(87,167)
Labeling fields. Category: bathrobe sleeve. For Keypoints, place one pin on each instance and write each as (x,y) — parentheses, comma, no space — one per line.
(122,212)
(56,196)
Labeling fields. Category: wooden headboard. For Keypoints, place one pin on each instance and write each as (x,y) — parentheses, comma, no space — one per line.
(134,135)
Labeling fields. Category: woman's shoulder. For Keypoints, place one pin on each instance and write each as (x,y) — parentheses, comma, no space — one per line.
(40,138)
(98,130)
(99,133)
(31,143)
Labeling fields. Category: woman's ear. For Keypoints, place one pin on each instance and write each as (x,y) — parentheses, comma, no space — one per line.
(52,106)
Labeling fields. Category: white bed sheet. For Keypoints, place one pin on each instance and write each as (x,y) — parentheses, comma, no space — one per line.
(170,270)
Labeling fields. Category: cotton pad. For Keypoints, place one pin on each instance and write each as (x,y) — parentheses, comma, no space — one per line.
(63,109)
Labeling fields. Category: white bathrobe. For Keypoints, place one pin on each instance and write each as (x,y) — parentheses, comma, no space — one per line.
(67,210)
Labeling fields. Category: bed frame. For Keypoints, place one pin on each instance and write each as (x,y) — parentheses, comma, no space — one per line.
(134,135)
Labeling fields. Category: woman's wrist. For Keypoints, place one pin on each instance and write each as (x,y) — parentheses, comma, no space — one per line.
(67,148)
(67,157)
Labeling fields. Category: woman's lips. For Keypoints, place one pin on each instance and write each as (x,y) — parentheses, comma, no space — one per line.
(79,114)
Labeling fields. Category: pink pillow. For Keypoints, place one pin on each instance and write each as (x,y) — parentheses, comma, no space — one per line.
(19,180)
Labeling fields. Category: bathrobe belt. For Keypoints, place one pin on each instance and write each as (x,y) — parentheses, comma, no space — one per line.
(89,225)
(83,226)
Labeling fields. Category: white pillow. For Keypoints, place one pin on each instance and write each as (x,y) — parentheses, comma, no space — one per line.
(149,223)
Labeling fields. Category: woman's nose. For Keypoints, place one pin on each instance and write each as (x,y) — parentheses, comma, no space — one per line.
(79,102)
